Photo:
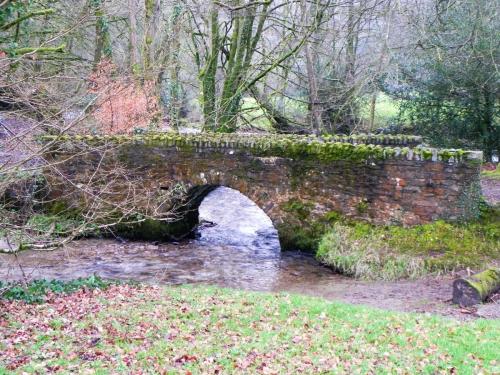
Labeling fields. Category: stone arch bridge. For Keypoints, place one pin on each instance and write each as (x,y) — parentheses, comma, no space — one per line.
(301,182)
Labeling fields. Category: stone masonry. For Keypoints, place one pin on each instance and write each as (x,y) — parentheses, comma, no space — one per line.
(403,188)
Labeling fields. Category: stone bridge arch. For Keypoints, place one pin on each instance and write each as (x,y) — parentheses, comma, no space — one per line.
(300,182)
(263,180)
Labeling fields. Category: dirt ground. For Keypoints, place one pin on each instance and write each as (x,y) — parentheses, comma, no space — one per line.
(431,295)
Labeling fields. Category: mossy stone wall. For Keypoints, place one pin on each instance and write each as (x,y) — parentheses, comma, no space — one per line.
(300,189)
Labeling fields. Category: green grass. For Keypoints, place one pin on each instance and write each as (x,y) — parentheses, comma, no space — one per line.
(386,109)
(392,252)
(494,174)
(253,114)
(211,330)
(37,291)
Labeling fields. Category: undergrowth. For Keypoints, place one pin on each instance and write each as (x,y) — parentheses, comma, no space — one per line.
(37,291)
(367,251)
(53,224)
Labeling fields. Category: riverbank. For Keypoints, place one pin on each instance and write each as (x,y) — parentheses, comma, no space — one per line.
(132,329)
(376,252)
(238,267)
(239,248)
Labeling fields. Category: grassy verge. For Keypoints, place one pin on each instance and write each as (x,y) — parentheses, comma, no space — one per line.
(391,252)
(127,329)
(494,174)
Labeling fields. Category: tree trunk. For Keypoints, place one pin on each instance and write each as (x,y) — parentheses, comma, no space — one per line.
(103,38)
(175,89)
(314,109)
(133,55)
(209,72)
(373,104)
(477,288)
(349,108)
(279,121)
(487,120)
(152,10)
(240,52)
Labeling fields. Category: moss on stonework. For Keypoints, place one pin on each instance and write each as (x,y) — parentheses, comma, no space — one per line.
(154,230)
(362,207)
(326,149)
(62,209)
(256,165)
(305,233)
(298,173)
(301,209)
(427,154)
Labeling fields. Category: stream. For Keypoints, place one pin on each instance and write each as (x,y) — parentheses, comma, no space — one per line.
(237,247)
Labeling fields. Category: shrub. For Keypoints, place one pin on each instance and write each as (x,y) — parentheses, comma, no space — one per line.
(122,104)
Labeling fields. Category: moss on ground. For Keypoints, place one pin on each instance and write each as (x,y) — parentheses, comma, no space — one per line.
(485,282)
(391,252)
(300,230)
(58,225)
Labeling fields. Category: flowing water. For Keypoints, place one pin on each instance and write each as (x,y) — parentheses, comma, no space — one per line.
(236,246)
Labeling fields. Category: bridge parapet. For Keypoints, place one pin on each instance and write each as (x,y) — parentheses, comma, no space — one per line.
(327,148)
(402,140)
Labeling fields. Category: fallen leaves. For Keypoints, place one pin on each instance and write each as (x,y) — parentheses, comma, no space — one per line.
(138,329)
(186,358)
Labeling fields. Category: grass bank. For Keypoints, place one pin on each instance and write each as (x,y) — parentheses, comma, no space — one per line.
(391,252)
(493,174)
(132,329)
